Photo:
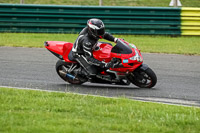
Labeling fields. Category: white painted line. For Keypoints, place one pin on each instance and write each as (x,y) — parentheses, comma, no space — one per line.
(21,88)
(177,102)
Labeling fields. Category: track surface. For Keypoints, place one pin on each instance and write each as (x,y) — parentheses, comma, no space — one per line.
(178,76)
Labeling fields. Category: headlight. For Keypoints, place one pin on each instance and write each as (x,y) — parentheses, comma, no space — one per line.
(137,57)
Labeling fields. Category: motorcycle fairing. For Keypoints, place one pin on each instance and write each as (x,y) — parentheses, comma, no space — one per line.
(104,52)
(60,48)
(55,46)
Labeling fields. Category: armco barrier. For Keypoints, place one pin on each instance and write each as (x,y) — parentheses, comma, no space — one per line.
(71,19)
(190,21)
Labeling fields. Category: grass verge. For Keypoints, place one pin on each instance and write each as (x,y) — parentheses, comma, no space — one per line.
(163,3)
(150,44)
(37,111)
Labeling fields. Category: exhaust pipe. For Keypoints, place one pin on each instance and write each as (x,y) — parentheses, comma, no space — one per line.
(63,74)
(70,76)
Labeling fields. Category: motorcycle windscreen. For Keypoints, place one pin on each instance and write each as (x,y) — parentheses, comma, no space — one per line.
(121,48)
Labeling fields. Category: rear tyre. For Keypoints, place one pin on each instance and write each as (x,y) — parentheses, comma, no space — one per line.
(62,68)
(143,78)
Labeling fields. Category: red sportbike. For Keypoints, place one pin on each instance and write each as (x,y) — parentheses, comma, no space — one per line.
(128,68)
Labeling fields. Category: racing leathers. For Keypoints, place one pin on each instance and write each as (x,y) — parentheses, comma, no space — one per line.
(82,51)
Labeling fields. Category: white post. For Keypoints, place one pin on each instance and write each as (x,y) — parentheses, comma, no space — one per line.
(100,2)
(175,3)
(21,1)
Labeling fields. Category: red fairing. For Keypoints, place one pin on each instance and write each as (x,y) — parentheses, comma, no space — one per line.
(55,46)
(102,52)
(67,48)
(60,48)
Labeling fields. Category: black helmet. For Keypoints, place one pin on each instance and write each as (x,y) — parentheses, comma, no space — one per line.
(96,28)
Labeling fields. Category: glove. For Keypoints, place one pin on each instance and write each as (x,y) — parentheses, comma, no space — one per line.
(102,65)
(112,64)
(108,65)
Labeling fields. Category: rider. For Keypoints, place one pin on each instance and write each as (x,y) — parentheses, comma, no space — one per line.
(86,42)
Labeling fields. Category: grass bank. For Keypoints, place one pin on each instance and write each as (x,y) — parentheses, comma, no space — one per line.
(161,3)
(36,111)
(150,44)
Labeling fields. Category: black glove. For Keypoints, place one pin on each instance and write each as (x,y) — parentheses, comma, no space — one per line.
(102,65)
(112,64)
(106,65)
(109,65)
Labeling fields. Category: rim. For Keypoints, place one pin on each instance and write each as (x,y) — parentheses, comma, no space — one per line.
(144,79)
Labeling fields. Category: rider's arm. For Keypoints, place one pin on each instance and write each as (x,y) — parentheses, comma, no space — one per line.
(87,48)
(109,37)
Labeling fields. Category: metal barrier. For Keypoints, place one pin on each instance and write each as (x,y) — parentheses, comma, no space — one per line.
(71,19)
(190,21)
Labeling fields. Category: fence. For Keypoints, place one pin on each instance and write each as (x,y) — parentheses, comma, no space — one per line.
(71,19)
(190,24)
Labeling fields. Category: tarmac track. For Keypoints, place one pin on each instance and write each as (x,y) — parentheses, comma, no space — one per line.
(178,76)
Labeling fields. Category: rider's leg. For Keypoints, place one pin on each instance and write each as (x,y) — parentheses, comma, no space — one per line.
(89,69)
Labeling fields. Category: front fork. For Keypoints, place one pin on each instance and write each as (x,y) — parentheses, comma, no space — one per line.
(141,67)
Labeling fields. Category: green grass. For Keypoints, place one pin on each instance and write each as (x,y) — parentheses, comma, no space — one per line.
(160,3)
(37,111)
(150,44)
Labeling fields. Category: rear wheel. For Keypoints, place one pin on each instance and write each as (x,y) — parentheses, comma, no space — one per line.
(62,68)
(143,78)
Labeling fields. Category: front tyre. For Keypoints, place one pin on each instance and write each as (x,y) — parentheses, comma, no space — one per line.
(62,68)
(143,78)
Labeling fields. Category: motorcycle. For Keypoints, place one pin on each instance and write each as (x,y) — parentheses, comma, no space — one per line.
(127,59)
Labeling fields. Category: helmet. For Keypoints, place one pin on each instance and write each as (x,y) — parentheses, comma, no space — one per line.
(96,28)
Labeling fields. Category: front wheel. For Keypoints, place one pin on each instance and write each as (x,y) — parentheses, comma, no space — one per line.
(143,78)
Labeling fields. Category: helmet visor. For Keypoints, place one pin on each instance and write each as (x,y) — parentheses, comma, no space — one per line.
(101,32)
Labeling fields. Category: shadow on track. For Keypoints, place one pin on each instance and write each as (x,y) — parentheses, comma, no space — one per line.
(102,86)
(101,89)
